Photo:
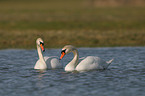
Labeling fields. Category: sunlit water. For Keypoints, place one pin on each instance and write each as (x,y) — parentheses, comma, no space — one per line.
(124,77)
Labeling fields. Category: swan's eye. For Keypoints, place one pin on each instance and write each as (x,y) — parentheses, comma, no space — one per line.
(63,51)
(41,43)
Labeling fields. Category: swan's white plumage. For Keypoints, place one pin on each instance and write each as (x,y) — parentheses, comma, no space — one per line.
(51,62)
(89,63)
(46,62)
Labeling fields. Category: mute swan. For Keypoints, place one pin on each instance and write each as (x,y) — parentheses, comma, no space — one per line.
(89,63)
(45,62)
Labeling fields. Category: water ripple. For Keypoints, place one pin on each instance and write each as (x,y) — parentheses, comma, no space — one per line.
(124,77)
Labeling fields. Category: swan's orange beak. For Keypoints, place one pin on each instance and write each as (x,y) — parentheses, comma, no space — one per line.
(62,55)
(42,47)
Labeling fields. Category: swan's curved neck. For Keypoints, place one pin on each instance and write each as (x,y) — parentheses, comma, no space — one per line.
(76,57)
(40,54)
(72,64)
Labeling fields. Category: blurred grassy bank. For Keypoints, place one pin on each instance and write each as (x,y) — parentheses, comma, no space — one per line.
(83,23)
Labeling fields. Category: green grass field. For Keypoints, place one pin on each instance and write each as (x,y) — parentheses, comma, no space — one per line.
(76,22)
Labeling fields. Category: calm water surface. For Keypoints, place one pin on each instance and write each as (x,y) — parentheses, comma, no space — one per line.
(124,77)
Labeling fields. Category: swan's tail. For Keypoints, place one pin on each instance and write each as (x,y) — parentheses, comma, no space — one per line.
(109,62)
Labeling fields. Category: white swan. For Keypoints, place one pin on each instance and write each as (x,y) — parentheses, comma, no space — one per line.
(45,62)
(89,63)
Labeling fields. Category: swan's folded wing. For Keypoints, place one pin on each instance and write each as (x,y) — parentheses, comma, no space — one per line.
(86,64)
(53,62)
(91,63)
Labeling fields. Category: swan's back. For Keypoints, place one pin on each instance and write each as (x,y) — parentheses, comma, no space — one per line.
(53,62)
(91,63)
